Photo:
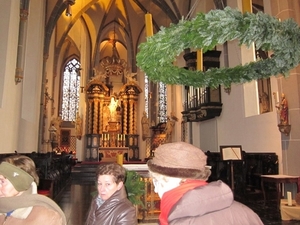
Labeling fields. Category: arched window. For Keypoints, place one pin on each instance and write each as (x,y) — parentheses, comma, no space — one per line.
(70,90)
(158,91)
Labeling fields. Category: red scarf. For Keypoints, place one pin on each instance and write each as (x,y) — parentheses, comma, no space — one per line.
(170,198)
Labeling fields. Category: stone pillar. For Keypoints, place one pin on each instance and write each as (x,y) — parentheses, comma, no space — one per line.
(291,88)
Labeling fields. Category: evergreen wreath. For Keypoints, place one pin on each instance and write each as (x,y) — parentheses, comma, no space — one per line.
(216,27)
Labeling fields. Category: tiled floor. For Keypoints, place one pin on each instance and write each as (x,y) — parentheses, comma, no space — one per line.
(75,201)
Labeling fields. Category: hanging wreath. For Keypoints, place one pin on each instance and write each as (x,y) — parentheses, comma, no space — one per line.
(156,56)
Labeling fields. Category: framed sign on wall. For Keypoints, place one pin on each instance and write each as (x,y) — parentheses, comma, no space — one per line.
(65,138)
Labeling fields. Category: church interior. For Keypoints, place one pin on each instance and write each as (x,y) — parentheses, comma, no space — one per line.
(74,93)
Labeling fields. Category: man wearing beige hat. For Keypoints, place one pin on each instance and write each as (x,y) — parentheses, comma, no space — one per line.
(19,202)
(179,173)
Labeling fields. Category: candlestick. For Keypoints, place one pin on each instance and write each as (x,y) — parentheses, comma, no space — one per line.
(120,159)
(289,198)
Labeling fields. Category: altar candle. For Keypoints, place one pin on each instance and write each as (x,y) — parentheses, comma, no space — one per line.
(289,198)
(199,60)
(148,24)
(120,159)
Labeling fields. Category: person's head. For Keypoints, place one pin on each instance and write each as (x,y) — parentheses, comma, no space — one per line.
(17,173)
(110,178)
(176,162)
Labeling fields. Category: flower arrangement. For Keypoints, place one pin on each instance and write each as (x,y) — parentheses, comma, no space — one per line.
(206,31)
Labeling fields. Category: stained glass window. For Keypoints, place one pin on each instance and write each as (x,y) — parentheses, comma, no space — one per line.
(147,93)
(162,106)
(70,90)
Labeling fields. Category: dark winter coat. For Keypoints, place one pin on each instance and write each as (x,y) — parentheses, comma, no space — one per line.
(212,204)
(116,210)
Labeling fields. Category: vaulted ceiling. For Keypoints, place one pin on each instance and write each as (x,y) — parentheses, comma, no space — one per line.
(121,20)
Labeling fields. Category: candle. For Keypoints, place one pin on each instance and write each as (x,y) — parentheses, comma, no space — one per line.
(246,6)
(148,24)
(289,198)
(120,159)
(199,60)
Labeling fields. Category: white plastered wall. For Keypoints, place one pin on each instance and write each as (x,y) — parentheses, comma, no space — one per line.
(19,104)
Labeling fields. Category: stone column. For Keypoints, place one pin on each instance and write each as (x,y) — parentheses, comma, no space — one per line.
(291,88)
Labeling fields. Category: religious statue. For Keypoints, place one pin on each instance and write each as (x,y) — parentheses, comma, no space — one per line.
(169,127)
(145,126)
(53,133)
(265,102)
(53,137)
(78,126)
(283,111)
(130,77)
(56,123)
(113,109)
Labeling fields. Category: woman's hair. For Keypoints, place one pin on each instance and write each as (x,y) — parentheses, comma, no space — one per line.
(114,169)
(25,163)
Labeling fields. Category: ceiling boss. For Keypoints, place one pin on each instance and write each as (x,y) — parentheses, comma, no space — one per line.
(206,31)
